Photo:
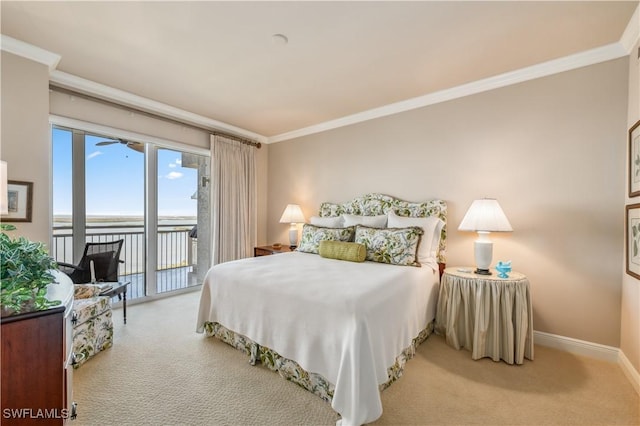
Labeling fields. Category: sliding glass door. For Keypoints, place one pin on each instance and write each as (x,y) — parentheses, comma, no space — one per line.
(182,219)
(155,199)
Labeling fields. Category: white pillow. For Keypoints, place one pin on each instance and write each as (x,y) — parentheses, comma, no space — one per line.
(432,227)
(379,221)
(327,222)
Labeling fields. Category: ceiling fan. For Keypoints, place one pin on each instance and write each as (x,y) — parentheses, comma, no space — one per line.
(136,146)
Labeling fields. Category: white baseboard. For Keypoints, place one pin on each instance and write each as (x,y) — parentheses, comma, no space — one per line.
(575,346)
(629,371)
(593,350)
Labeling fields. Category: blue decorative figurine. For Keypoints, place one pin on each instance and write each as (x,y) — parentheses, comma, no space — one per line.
(503,268)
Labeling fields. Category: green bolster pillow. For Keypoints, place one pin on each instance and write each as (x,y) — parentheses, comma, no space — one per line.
(342,250)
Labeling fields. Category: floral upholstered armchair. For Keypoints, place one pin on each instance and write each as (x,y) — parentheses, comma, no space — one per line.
(92,323)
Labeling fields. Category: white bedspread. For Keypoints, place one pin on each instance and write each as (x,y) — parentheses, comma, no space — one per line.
(344,320)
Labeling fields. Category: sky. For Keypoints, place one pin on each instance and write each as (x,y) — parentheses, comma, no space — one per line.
(115,179)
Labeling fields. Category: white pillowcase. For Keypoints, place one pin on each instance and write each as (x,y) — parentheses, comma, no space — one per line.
(432,227)
(379,221)
(327,222)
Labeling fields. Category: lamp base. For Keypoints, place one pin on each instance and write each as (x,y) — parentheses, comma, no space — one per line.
(293,236)
(483,250)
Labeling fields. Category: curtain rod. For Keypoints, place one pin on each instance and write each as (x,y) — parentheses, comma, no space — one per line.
(213,131)
(239,139)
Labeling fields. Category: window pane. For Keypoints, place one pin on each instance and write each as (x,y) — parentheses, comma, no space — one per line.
(62,150)
(114,179)
(180,215)
(114,202)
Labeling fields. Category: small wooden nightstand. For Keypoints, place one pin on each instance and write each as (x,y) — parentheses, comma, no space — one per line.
(267,250)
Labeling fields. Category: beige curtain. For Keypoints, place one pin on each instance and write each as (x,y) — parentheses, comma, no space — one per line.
(233,199)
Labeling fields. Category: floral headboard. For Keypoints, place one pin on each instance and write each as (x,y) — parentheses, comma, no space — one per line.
(377,204)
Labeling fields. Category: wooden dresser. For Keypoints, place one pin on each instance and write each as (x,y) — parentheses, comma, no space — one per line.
(37,371)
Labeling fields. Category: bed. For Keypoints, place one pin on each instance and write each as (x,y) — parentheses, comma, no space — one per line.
(341,329)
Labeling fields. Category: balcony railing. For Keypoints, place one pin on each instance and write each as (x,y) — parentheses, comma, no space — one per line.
(176,253)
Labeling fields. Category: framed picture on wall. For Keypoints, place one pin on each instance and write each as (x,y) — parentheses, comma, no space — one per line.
(20,200)
(632,236)
(634,160)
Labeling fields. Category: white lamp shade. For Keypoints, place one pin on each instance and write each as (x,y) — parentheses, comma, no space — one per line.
(4,190)
(485,215)
(292,214)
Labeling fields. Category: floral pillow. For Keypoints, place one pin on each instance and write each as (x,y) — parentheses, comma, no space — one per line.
(397,246)
(430,241)
(312,235)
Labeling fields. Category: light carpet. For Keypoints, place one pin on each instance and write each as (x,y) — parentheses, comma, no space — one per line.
(160,372)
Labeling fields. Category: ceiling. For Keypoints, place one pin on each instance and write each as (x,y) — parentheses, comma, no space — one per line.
(220,61)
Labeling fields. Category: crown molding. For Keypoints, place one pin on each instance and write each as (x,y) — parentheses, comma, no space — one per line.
(631,34)
(82,85)
(29,51)
(628,40)
(578,60)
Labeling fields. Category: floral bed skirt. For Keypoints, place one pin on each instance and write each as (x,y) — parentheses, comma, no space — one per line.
(292,371)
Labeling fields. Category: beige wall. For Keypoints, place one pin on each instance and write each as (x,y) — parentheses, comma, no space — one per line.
(545,149)
(630,309)
(25,144)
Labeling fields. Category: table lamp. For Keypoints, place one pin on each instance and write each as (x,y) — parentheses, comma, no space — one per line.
(293,215)
(484,216)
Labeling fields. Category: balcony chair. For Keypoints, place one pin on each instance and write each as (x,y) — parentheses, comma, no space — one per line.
(92,317)
(105,258)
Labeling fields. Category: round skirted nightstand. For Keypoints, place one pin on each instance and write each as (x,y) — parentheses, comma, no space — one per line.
(485,314)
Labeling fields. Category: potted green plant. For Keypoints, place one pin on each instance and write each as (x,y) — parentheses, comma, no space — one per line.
(24,274)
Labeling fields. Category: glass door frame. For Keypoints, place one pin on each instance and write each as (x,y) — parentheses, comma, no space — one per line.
(151,218)
(79,129)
